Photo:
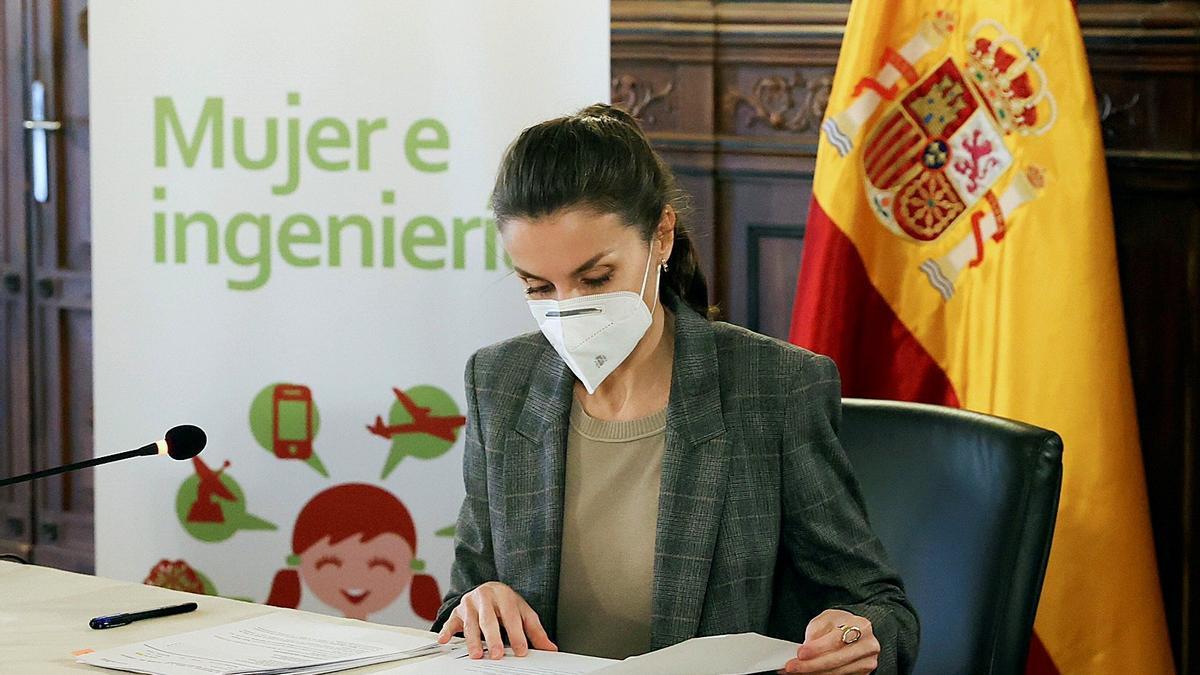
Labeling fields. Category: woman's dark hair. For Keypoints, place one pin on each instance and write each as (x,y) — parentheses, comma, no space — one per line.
(599,158)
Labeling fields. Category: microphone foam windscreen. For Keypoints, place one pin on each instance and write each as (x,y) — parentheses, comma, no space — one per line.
(185,441)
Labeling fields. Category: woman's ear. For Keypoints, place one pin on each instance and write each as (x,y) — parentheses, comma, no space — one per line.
(666,233)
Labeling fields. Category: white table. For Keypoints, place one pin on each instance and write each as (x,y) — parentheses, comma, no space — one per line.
(44,617)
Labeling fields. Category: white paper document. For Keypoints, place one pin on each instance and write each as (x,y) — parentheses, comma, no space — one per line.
(266,645)
(534,663)
(716,655)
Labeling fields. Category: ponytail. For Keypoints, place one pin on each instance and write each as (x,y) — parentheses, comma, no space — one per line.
(684,276)
(285,589)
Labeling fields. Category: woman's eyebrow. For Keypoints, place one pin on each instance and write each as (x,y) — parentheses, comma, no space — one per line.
(590,263)
(525,274)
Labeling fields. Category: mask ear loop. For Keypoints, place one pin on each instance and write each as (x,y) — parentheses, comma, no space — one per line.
(646,277)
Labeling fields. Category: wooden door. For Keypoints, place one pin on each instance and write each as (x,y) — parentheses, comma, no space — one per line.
(46,254)
(60,241)
(16,502)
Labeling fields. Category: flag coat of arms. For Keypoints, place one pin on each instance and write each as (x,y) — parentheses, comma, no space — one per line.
(959,250)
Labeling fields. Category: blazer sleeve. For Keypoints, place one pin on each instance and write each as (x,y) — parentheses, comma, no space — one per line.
(838,560)
(474,561)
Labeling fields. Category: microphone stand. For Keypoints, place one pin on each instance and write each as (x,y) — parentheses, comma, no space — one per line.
(145,450)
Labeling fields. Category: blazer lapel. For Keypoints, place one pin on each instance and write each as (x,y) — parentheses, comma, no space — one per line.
(695,466)
(534,466)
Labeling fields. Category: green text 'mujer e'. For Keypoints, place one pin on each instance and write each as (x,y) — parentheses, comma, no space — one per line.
(256,241)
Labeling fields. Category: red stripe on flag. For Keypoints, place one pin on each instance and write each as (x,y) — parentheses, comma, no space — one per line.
(839,313)
(1039,662)
(875,151)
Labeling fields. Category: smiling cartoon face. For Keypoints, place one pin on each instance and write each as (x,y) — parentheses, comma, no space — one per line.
(355,576)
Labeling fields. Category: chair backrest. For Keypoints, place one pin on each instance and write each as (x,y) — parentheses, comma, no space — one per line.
(965,505)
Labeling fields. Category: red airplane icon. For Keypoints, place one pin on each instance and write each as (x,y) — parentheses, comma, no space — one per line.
(206,509)
(422,422)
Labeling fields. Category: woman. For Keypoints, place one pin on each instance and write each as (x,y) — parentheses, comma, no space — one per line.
(636,474)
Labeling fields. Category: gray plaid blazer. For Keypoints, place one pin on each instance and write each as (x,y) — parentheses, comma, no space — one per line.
(761,525)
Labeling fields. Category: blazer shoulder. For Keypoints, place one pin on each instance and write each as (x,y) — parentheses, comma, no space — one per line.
(778,376)
(741,350)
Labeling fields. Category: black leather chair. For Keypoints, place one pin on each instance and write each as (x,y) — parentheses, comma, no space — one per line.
(965,506)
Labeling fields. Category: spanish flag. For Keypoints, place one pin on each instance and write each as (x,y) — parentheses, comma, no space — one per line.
(959,250)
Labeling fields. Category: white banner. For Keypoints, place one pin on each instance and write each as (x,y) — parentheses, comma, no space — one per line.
(292,250)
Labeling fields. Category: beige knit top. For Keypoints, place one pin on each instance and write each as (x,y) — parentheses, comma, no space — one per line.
(610,510)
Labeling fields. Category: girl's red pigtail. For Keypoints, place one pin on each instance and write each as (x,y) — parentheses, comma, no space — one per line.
(425,597)
(285,589)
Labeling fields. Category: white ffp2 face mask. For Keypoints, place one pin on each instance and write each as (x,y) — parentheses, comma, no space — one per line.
(595,333)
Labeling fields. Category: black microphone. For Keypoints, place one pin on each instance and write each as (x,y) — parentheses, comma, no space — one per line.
(182,442)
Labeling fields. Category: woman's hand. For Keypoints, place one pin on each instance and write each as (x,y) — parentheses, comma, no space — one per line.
(830,645)
(482,612)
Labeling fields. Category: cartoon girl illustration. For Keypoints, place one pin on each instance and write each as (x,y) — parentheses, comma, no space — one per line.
(354,546)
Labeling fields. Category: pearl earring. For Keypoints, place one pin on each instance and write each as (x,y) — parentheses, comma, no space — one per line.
(663,265)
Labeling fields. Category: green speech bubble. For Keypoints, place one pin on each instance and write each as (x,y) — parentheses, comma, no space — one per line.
(231,513)
(426,435)
(272,420)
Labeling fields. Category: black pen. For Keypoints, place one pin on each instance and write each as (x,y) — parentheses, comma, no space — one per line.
(125,619)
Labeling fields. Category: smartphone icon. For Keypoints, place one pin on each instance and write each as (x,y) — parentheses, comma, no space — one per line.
(292,421)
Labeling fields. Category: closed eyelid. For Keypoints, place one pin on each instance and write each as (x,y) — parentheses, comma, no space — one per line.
(534,288)
(598,281)
(605,269)
(328,560)
(382,562)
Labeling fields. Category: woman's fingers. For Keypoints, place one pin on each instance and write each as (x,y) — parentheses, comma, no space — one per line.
(864,665)
(489,625)
(859,667)
(510,614)
(484,611)
(837,660)
(825,643)
(533,628)
(471,631)
(453,625)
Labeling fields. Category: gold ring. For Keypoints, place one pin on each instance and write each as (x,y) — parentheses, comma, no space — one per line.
(850,634)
